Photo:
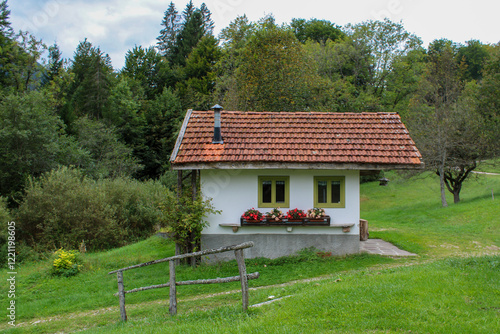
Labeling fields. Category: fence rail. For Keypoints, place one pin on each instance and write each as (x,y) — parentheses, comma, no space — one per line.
(243,277)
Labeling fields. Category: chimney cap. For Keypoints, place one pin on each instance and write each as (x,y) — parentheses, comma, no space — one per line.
(217,107)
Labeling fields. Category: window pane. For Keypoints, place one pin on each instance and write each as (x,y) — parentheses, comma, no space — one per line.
(266,191)
(280,191)
(322,191)
(335,191)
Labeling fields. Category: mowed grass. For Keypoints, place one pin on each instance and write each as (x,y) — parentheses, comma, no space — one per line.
(452,287)
(409,214)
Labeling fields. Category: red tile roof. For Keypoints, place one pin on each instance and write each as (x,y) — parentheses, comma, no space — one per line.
(376,140)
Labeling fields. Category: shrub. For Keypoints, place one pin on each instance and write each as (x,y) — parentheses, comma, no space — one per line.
(66,263)
(4,219)
(62,208)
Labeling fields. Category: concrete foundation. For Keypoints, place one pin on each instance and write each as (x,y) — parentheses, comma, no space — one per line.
(277,245)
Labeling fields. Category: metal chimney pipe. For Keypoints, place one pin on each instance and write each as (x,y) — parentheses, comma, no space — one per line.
(217,133)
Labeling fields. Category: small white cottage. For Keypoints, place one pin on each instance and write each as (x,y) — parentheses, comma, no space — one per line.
(288,160)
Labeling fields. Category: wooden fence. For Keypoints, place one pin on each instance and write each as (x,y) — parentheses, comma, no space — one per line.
(243,277)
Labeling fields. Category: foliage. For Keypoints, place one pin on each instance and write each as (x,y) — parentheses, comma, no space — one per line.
(64,207)
(110,157)
(385,40)
(66,263)
(295,214)
(446,124)
(32,140)
(316,30)
(273,73)
(252,214)
(315,213)
(5,218)
(89,93)
(149,69)
(185,219)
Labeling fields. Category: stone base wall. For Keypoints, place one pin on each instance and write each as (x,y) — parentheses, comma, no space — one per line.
(277,245)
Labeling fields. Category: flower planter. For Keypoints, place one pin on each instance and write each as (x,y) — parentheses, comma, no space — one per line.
(273,220)
(295,221)
(325,220)
(252,221)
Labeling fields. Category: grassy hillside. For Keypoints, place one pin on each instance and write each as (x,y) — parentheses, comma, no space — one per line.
(443,290)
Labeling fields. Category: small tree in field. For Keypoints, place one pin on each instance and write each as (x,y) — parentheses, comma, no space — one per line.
(446,124)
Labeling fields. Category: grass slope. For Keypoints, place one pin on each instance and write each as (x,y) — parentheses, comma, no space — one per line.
(442,291)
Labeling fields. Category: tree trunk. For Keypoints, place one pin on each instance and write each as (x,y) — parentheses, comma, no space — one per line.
(456,196)
(443,190)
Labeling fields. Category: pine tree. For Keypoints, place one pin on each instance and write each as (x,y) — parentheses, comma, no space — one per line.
(208,23)
(171,23)
(187,39)
(54,66)
(93,74)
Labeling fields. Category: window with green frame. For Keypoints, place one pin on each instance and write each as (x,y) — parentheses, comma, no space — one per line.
(274,191)
(329,191)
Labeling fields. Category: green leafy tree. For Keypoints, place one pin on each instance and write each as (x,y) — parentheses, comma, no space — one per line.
(32,140)
(233,38)
(446,124)
(273,73)
(109,156)
(149,68)
(316,30)
(163,118)
(200,75)
(386,40)
(474,54)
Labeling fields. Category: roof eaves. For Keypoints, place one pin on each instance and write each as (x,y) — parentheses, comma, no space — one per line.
(181,136)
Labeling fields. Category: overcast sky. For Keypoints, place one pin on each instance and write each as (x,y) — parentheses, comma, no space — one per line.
(116,26)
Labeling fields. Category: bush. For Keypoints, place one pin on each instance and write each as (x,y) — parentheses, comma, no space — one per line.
(66,263)
(4,219)
(63,208)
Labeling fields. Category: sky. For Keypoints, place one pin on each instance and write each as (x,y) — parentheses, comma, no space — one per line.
(116,26)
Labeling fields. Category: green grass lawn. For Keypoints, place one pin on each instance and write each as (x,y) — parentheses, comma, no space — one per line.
(452,287)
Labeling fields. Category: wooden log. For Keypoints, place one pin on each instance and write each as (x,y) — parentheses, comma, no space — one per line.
(200,281)
(363,230)
(121,294)
(200,253)
(173,290)
(243,277)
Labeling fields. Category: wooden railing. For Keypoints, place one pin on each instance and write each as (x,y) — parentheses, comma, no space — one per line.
(243,277)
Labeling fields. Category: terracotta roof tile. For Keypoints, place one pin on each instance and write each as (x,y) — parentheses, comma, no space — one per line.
(298,137)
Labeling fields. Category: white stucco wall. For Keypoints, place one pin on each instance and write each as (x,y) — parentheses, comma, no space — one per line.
(234,191)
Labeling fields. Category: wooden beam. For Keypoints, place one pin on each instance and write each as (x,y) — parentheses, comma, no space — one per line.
(121,294)
(180,137)
(200,281)
(243,277)
(194,183)
(172,308)
(247,244)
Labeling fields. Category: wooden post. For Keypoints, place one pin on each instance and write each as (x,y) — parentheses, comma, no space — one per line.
(194,183)
(173,289)
(178,250)
(121,294)
(243,277)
